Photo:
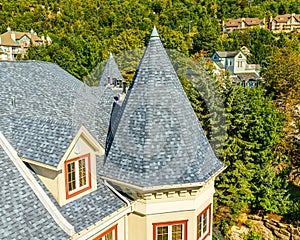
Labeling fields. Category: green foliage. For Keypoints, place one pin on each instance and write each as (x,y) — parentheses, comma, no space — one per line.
(253,236)
(224,227)
(254,127)
(249,224)
(86,31)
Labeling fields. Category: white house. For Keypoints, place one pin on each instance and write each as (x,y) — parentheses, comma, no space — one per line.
(235,63)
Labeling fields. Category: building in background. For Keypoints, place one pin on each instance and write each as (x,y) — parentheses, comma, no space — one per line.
(13,44)
(285,23)
(242,24)
(235,64)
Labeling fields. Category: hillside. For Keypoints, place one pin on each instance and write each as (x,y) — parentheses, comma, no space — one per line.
(261,148)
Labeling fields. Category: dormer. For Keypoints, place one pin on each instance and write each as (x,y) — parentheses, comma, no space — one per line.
(64,161)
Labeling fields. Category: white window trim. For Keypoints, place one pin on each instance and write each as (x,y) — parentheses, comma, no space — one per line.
(204,234)
(76,162)
(170,231)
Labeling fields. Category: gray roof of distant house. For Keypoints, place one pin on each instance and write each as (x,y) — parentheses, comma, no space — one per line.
(159,140)
(111,71)
(226,54)
(22,215)
(51,101)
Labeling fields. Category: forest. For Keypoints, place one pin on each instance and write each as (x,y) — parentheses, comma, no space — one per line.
(262,144)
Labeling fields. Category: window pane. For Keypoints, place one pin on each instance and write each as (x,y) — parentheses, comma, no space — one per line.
(71,176)
(82,172)
(162,233)
(177,232)
(205,215)
(109,236)
(199,226)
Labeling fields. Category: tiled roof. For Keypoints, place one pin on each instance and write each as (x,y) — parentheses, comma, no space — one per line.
(50,100)
(159,140)
(225,54)
(39,140)
(247,76)
(22,215)
(111,71)
(6,39)
(91,208)
(285,17)
(248,22)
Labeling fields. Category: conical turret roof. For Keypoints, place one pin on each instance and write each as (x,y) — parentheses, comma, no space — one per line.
(111,71)
(159,140)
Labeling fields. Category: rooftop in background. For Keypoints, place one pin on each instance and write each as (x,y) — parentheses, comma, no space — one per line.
(13,43)
(242,23)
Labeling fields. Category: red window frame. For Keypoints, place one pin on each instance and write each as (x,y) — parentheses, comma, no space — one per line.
(209,222)
(112,229)
(184,222)
(89,177)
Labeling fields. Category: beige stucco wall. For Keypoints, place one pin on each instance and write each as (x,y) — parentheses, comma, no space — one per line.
(178,206)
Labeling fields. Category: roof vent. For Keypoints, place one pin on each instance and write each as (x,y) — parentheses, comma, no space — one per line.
(13,101)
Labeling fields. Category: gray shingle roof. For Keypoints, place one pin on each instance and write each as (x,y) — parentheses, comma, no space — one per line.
(226,54)
(91,208)
(22,215)
(111,71)
(159,140)
(39,140)
(46,95)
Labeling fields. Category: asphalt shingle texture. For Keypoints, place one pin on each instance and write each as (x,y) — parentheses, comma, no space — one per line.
(159,140)
(41,98)
(40,140)
(22,215)
(91,208)
(111,71)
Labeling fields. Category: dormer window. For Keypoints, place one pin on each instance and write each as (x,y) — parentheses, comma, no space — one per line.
(77,175)
(204,223)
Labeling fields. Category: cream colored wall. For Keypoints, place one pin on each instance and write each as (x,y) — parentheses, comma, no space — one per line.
(137,226)
(80,148)
(48,177)
(54,180)
(169,207)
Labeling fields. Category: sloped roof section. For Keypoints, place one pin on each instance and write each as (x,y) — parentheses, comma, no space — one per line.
(159,140)
(90,208)
(248,21)
(39,140)
(225,54)
(285,17)
(22,215)
(111,71)
(40,98)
